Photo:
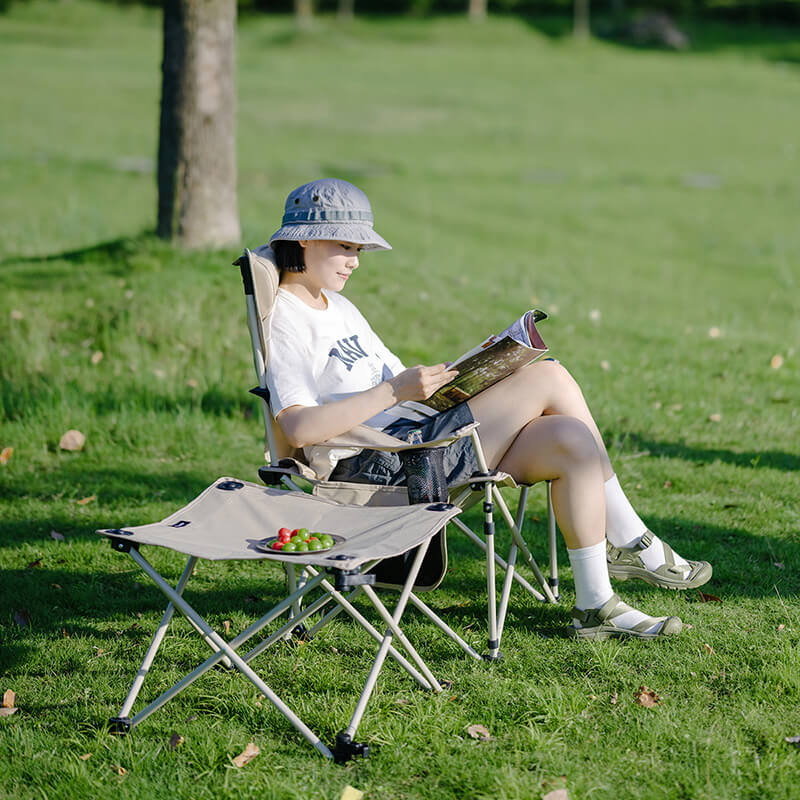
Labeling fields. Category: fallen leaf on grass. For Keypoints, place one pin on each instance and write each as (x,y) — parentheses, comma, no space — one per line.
(84,500)
(9,698)
(97,356)
(446,684)
(351,793)
(5,455)
(72,440)
(85,757)
(17,314)
(401,701)
(708,598)
(480,732)
(175,740)
(646,697)
(708,648)
(605,366)
(7,712)
(795,740)
(714,333)
(781,627)
(614,698)
(556,794)
(226,624)
(22,618)
(247,755)
(667,484)
(35,564)
(715,418)
(56,536)
(119,770)
(776,362)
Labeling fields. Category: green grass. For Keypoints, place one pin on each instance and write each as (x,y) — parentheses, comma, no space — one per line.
(508,169)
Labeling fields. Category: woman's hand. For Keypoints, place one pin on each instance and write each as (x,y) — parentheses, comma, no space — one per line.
(419,383)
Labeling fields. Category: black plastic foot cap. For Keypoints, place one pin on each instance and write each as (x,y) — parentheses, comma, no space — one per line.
(346,749)
(496,657)
(119,725)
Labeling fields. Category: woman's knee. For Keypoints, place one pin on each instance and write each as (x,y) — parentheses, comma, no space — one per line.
(572,441)
(550,372)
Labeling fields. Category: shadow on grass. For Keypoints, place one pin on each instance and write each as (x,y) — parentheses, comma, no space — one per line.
(751,459)
(119,257)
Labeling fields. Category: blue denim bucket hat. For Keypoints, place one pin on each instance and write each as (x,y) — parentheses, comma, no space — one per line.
(329,208)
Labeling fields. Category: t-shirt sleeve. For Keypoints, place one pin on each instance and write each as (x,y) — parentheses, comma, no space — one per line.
(289,375)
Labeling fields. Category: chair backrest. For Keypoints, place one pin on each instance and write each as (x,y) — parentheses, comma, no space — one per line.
(261,277)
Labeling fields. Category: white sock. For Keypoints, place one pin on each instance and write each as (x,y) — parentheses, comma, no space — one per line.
(590,573)
(624,527)
(593,587)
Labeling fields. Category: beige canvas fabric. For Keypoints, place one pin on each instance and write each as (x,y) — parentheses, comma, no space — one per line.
(228,523)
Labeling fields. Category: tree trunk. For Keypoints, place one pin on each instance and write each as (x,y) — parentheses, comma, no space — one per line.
(477,10)
(580,27)
(303,14)
(346,9)
(196,147)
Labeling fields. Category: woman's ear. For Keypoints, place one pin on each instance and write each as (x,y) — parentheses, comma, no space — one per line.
(303,243)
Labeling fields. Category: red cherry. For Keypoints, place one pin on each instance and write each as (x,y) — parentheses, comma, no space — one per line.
(277,545)
(284,535)
(295,531)
(283,531)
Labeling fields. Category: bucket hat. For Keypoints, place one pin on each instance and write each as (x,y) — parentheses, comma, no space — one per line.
(329,208)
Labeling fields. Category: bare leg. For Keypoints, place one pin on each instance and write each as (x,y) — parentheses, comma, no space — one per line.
(536,426)
(562,449)
(546,390)
(541,389)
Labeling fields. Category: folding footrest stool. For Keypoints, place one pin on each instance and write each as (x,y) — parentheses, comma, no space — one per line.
(228,521)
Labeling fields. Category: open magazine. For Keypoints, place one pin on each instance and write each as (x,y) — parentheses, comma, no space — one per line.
(489,362)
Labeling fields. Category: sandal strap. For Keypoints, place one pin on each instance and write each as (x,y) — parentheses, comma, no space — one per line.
(615,553)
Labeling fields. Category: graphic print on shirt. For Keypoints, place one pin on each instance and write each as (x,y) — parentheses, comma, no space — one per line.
(348,351)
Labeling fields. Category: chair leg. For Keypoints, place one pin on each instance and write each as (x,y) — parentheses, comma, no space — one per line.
(149,656)
(216,640)
(498,560)
(345,747)
(493,642)
(512,560)
(552,581)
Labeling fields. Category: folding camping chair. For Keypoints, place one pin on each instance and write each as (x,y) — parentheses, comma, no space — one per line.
(287,466)
(228,521)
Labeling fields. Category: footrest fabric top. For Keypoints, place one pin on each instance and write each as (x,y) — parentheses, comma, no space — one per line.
(232,518)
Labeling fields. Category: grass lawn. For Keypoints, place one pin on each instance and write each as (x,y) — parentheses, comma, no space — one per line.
(649,201)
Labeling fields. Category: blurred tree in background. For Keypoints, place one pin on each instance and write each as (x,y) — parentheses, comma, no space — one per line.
(197,203)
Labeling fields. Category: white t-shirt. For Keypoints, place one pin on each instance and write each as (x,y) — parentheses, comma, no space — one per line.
(321,355)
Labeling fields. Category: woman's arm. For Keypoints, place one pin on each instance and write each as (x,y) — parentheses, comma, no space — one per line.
(307,425)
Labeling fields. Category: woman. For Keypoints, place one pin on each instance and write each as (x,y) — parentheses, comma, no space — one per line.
(330,372)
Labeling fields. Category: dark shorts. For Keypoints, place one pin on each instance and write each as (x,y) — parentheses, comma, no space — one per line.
(376,466)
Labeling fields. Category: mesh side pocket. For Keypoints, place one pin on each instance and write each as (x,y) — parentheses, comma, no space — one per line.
(425,475)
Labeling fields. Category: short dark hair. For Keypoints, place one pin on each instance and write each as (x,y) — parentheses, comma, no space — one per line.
(289,256)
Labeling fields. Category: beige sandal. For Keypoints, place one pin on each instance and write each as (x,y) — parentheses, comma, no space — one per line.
(598,623)
(625,562)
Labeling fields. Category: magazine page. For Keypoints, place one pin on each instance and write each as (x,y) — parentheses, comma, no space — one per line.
(522,330)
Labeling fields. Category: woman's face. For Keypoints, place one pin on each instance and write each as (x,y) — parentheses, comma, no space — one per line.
(328,263)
